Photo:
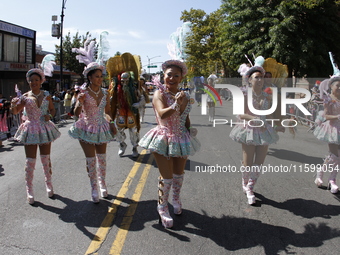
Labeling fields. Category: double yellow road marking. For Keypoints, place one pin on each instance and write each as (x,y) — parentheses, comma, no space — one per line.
(125,225)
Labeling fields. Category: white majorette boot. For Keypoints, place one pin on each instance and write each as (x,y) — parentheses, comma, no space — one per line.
(329,160)
(101,172)
(245,178)
(332,178)
(29,170)
(253,176)
(164,186)
(92,173)
(46,163)
(177,182)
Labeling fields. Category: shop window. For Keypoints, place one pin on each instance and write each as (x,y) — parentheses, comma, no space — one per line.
(0,46)
(22,52)
(29,51)
(11,48)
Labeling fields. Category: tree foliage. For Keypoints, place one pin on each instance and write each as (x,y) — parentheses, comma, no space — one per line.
(298,33)
(69,58)
(203,46)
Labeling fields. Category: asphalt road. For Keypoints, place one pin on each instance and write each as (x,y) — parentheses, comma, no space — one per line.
(291,215)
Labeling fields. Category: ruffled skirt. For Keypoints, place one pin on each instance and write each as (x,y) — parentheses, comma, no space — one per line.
(162,141)
(90,133)
(328,132)
(254,135)
(41,132)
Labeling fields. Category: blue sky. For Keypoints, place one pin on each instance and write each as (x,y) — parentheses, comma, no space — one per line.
(136,26)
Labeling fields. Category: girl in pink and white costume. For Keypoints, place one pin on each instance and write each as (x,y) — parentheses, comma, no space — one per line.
(94,128)
(254,140)
(329,131)
(173,140)
(36,130)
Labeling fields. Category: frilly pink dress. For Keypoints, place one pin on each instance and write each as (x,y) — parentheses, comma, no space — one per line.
(329,130)
(171,138)
(92,126)
(35,130)
(255,135)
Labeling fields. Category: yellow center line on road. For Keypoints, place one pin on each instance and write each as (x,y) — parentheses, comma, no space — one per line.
(107,222)
(118,244)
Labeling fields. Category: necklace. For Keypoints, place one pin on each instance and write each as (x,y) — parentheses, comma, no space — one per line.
(257,96)
(171,93)
(96,93)
(36,96)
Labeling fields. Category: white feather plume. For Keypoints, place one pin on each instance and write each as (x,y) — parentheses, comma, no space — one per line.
(178,42)
(103,47)
(86,54)
(47,64)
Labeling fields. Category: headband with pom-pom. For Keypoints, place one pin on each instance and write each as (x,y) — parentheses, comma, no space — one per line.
(177,63)
(259,61)
(37,71)
(92,66)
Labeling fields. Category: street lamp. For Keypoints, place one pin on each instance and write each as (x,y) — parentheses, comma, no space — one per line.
(150,66)
(57,31)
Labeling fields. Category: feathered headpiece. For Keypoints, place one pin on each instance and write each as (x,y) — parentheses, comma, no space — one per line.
(177,63)
(242,70)
(336,71)
(86,54)
(178,41)
(37,71)
(103,46)
(47,64)
(44,69)
(257,67)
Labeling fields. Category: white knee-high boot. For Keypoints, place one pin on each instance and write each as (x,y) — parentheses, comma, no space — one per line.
(332,177)
(254,175)
(92,173)
(29,170)
(164,186)
(245,178)
(177,182)
(46,163)
(101,171)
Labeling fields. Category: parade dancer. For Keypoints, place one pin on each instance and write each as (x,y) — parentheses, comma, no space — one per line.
(173,140)
(37,130)
(143,95)
(328,130)
(210,101)
(94,128)
(254,140)
(127,116)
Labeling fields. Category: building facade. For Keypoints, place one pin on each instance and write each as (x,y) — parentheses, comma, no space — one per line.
(17,56)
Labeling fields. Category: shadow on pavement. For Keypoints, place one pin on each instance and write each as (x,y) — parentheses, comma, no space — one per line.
(294,156)
(302,207)
(82,213)
(1,170)
(235,233)
(231,233)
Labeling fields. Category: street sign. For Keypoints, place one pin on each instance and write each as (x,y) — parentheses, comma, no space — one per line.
(152,66)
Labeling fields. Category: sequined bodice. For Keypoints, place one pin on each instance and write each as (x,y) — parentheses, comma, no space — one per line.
(92,113)
(263,104)
(32,111)
(176,122)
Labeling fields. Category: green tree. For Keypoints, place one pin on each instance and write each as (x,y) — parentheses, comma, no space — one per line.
(69,58)
(294,32)
(203,44)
